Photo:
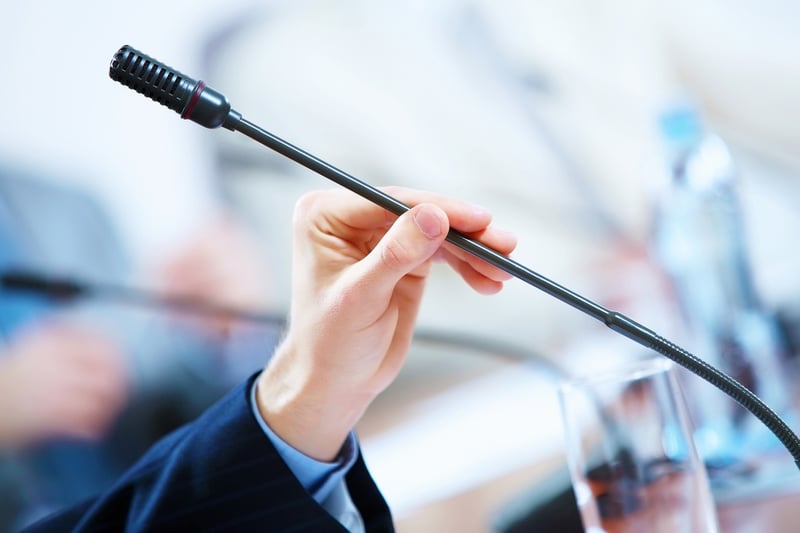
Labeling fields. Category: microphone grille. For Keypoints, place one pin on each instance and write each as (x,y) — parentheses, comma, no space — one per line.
(151,78)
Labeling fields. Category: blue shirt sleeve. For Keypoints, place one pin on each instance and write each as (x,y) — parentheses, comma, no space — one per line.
(324,481)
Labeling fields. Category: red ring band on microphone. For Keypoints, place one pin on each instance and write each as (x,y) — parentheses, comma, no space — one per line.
(194,99)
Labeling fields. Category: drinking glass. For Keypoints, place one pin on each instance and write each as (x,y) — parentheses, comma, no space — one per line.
(630,453)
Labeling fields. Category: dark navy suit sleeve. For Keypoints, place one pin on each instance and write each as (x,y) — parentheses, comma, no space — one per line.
(219,473)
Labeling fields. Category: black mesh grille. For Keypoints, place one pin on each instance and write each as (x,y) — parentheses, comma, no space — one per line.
(147,76)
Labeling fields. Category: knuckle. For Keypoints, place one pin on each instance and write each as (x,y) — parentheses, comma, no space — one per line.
(395,255)
(307,209)
(307,204)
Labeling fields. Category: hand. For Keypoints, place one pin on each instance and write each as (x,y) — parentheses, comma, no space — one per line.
(220,266)
(359,274)
(59,381)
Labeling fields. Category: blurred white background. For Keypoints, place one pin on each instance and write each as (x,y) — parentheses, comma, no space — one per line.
(65,118)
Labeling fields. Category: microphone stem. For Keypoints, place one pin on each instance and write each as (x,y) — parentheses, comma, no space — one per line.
(69,290)
(398,208)
(178,303)
(614,320)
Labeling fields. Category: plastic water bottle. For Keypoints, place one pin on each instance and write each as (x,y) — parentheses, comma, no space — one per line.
(699,241)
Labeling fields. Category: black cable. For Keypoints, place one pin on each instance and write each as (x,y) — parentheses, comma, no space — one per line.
(66,290)
(63,290)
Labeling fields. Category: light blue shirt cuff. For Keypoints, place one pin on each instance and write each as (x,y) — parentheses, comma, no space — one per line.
(319,478)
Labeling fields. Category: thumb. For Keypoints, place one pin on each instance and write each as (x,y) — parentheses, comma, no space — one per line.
(412,240)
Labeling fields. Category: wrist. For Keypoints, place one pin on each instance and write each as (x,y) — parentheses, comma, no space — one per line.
(308,412)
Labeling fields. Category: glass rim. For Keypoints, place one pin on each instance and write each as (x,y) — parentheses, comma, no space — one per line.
(627,371)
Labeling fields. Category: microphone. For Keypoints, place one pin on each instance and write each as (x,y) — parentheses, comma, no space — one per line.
(196,101)
(192,99)
(67,290)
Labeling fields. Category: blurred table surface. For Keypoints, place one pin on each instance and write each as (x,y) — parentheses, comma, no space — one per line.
(776,514)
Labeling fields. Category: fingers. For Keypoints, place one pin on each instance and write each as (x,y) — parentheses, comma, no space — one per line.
(357,212)
(84,412)
(354,213)
(222,265)
(71,383)
(474,222)
(411,241)
(499,240)
(88,386)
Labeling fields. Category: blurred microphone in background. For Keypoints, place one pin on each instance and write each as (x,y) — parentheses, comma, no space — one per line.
(86,384)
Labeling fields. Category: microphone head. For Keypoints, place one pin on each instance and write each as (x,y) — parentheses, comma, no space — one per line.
(192,99)
(151,78)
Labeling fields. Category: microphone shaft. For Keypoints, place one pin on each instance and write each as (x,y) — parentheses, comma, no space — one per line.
(178,303)
(68,290)
(398,208)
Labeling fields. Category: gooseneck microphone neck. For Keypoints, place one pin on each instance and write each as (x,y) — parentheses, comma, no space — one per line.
(196,101)
(68,290)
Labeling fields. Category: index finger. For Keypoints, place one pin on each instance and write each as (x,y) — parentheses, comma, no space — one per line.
(358,212)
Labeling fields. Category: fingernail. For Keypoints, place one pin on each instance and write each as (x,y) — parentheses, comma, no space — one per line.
(428,223)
